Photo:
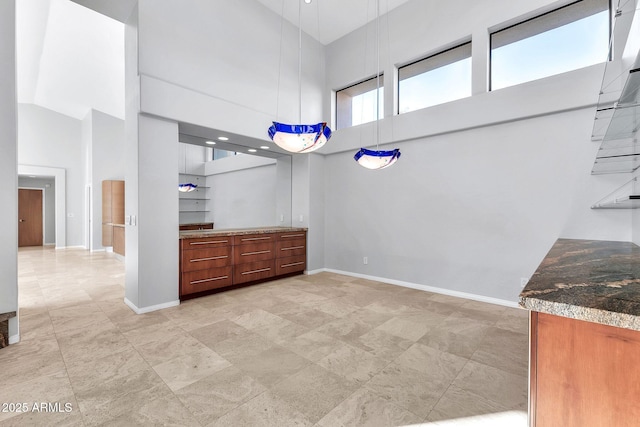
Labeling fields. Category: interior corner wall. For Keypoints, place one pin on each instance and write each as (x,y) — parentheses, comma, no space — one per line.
(8,166)
(107,162)
(50,139)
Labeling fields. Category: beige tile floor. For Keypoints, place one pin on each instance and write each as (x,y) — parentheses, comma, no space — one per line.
(324,350)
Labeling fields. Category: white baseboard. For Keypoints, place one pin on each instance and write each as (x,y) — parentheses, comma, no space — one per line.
(71,247)
(14,339)
(49,244)
(312,272)
(443,291)
(151,308)
(98,250)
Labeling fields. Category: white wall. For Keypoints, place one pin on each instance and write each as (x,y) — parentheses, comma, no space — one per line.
(49,202)
(485,185)
(199,64)
(107,162)
(243,191)
(8,166)
(50,139)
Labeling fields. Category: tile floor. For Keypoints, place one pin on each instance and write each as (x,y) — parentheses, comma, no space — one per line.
(323,350)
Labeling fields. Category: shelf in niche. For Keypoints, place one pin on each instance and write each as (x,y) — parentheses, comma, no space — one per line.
(191,198)
(625,197)
(199,211)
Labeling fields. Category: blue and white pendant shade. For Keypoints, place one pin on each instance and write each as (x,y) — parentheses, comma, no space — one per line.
(376,159)
(300,138)
(187,188)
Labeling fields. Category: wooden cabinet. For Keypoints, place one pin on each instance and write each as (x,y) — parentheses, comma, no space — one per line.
(113,215)
(118,239)
(291,252)
(583,374)
(209,263)
(205,264)
(196,226)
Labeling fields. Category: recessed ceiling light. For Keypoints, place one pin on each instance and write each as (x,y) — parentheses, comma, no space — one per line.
(252,150)
(307,1)
(32,176)
(210,142)
(223,138)
(264,147)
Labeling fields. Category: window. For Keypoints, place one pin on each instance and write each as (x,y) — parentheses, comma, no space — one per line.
(440,78)
(572,37)
(357,104)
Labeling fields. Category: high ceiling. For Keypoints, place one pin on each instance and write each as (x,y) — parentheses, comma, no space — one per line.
(328,20)
(70,59)
(71,52)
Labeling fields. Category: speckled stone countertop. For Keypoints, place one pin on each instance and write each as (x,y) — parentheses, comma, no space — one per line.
(592,280)
(187,234)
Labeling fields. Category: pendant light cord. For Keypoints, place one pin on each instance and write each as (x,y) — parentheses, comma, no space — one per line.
(299,61)
(279,62)
(377,74)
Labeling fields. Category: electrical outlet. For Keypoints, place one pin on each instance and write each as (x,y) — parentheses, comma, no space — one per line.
(301,218)
(365,260)
(523,282)
(281,217)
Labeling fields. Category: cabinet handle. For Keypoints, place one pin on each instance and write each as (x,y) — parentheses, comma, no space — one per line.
(248,239)
(285,236)
(292,248)
(255,253)
(256,271)
(209,259)
(208,280)
(208,243)
(292,264)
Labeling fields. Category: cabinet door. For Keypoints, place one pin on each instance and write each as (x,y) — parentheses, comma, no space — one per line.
(107,235)
(583,374)
(117,202)
(205,242)
(118,240)
(206,258)
(107,218)
(249,272)
(205,280)
(291,264)
(287,248)
(253,252)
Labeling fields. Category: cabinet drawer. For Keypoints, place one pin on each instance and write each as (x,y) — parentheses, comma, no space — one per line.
(254,238)
(253,252)
(202,259)
(204,280)
(206,242)
(291,264)
(293,235)
(253,271)
(287,248)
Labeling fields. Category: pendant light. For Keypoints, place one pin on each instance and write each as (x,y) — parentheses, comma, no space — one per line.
(299,138)
(377,159)
(187,188)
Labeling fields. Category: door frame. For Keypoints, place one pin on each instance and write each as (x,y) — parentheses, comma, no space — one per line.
(60,197)
(44,217)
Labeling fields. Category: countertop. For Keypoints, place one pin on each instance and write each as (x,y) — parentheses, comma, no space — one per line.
(237,231)
(592,280)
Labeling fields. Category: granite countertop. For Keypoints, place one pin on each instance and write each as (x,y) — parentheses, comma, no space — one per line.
(236,231)
(592,280)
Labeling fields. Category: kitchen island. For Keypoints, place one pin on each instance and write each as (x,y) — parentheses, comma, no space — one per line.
(216,259)
(584,367)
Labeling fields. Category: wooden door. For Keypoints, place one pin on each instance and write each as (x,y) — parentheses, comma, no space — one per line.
(29,217)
